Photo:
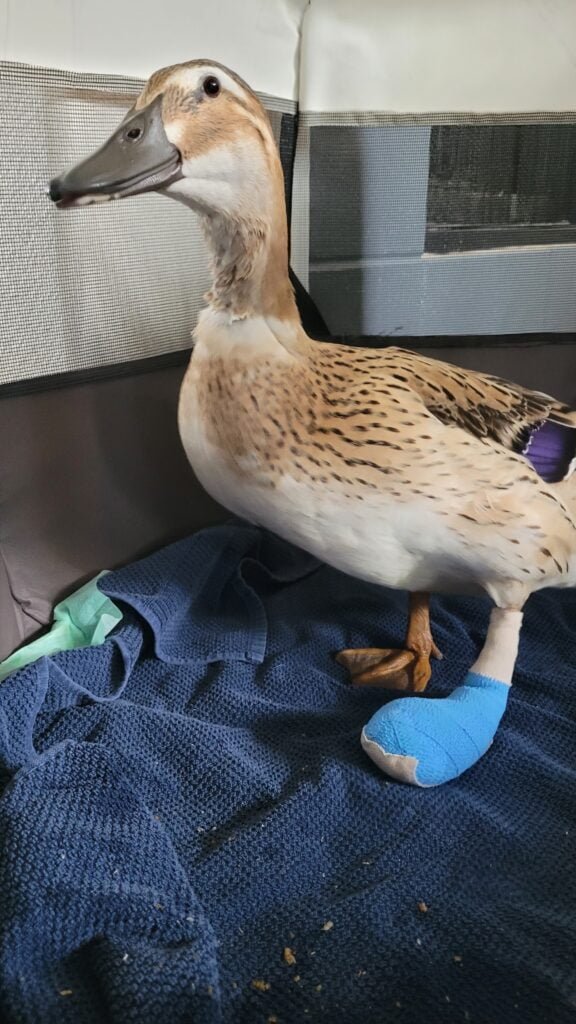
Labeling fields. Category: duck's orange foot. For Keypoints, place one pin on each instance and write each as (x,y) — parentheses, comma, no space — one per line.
(389,669)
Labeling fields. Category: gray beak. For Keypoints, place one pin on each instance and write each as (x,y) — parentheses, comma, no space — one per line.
(137,158)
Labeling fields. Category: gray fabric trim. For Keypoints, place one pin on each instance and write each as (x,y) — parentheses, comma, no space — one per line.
(119,84)
(379,118)
(277,104)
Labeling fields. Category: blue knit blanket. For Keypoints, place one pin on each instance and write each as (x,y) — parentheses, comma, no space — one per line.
(190,831)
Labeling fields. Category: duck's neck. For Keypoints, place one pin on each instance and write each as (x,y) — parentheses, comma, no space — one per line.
(249,269)
(249,251)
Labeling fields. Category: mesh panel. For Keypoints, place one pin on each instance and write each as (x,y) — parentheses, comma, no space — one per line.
(437,224)
(95,286)
(367,191)
(497,185)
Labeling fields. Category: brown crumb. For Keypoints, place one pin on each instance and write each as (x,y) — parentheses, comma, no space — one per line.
(296,977)
(260,985)
(288,956)
(272,1020)
(66,991)
(423,907)
(318,988)
(457,959)
(328,926)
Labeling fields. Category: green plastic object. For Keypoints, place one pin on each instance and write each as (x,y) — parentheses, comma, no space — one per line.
(84,619)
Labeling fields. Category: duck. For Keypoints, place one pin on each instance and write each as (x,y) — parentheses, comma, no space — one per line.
(392,467)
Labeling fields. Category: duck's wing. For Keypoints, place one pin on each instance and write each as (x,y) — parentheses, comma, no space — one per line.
(526,422)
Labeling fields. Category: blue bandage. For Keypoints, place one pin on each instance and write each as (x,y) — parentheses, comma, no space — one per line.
(428,741)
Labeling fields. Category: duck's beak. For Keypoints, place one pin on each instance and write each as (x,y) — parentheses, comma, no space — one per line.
(137,158)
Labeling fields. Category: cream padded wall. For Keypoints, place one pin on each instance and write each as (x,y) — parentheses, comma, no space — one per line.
(404,55)
(414,56)
(258,38)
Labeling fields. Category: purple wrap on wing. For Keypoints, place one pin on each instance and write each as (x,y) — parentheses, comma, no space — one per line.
(551,449)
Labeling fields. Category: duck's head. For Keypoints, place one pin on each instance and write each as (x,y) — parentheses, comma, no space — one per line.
(197,133)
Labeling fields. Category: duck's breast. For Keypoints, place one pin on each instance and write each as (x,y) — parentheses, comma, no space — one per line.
(374,537)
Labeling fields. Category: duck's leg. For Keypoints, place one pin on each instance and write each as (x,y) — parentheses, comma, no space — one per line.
(407,669)
(427,742)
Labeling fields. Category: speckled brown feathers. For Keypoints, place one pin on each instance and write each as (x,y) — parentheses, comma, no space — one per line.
(353,425)
(484,405)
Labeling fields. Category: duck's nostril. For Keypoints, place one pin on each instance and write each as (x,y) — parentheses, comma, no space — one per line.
(54,190)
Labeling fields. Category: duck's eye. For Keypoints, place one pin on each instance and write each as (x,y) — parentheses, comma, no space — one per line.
(211,86)
(133,134)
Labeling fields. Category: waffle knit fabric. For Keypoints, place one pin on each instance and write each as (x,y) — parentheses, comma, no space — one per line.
(191,833)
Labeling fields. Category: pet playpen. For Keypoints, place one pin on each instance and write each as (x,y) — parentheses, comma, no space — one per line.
(215,846)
